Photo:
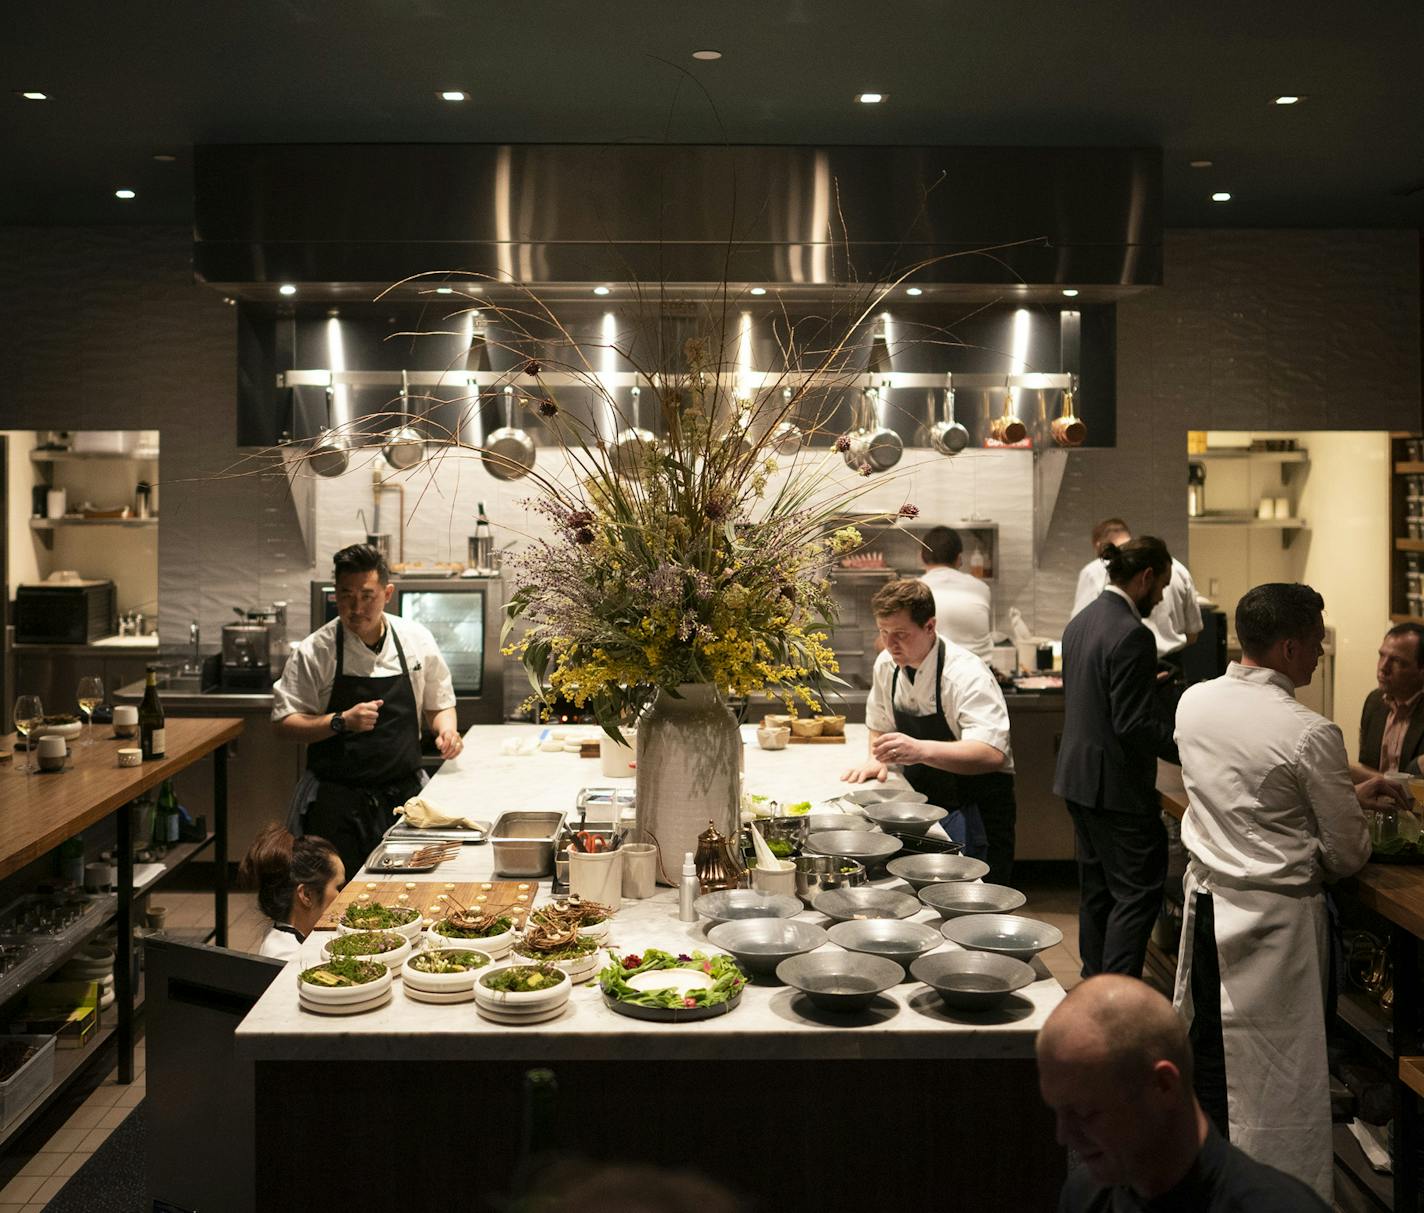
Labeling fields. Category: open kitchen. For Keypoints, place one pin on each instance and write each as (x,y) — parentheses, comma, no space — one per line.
(701,671)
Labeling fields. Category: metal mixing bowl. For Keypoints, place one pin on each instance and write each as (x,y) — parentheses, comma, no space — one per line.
(972,981)
(893,938)
(954,898)
(867,847)
(840,981)
(816,874)
(1006,934)
(728,905)
(905,816)
(921,870)
(761,944)
(844,905)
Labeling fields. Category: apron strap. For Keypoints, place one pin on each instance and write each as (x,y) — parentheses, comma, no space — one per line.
(405,670)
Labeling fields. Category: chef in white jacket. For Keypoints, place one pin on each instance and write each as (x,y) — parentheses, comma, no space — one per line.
(1175,622)
(1272,815)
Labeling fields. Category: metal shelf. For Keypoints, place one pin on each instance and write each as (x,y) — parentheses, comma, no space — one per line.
(1379,1188)
(1288,527)
(1256,456)
(93,456)
(1367,1020)
(49,524)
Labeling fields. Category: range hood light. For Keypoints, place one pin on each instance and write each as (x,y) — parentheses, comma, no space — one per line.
(707,56)
(453,94)
(35,96)
(1221,196)
(1287,99)
(600,290)
(758,290)
(444,290)
(1201,164)
(913,290)
(125,195)
(286,289)
(1070,292)
(871,98)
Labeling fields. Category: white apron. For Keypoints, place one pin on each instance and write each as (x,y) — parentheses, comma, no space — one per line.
(1273,953)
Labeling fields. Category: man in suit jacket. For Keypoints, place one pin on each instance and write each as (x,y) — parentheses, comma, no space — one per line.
(1392,723)
(1116,724)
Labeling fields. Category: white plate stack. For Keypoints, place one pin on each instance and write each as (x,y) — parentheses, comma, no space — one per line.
(392,958)
(93,962)
(411,930)
(443,987)
(518,1007)
(345,1000)
(579,969)
(493,946)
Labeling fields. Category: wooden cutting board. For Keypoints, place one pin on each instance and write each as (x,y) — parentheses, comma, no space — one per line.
(511,897)
(794,740)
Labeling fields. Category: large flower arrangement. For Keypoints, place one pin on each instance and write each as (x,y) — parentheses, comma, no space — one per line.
(699,557)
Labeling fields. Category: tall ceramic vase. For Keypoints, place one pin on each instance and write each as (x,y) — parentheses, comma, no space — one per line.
(688,773)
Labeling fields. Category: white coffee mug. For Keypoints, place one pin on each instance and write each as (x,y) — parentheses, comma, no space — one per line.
(56,503)
(52,751)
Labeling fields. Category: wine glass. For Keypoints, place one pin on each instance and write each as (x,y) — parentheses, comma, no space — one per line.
(29,711)
(90,695)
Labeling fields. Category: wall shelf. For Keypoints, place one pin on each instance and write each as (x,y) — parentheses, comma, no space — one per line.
(46,527)
(1288,527)
(1409,545)
(1256,456)
(94,456)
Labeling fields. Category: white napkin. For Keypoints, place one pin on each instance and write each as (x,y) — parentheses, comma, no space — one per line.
(422,815)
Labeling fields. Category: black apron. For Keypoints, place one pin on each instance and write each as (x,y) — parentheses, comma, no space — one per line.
(363,776)
(963,795)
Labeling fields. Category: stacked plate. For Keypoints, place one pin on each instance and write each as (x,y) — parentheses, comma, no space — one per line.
(520,1006)
(345,1000)
(376,948)
(579,968)
(94,962)
(410,929)
(457,985)
(493,946)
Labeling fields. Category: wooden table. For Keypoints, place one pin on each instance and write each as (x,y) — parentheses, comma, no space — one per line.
(1396,893)
(43,810)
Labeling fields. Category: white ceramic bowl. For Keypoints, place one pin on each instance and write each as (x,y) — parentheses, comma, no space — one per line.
(444,983)
(773,739)
(531,1001)
(579,969)
(68,731)
(393,959)
(494,946)
(336,996)
(411,930)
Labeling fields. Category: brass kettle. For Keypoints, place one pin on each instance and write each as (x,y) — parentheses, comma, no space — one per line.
(716,861)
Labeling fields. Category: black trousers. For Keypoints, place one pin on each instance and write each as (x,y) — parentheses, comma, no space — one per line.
(1208,1049)
(994,798)
(354,819)
(1122,867)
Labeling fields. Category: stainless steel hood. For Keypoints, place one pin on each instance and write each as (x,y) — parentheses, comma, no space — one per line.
(343,222)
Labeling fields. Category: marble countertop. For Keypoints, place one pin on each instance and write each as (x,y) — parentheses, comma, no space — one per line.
(773,1021)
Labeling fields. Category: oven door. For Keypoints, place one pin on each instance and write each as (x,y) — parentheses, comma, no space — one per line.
(463,617)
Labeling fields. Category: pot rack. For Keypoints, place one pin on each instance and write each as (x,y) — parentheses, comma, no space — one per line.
(732,380)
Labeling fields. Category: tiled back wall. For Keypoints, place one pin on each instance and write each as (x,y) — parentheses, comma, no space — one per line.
(104,328)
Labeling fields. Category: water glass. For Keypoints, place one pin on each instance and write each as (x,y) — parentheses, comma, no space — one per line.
(90,695)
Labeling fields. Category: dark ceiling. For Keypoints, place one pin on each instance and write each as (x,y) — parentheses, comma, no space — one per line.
(130,80)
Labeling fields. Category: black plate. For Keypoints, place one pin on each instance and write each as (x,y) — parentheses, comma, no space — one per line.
(672,1014)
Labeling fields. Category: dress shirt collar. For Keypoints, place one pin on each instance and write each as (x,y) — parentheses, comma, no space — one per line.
(1121,593)
(1401,707)
(1261,674)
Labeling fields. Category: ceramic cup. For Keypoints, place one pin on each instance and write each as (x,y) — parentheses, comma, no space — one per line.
(597,876)
(773,739)
(640,868)
(616,759)
(98,876)
(125,720)
(769,880)
(130,758)
(52,752)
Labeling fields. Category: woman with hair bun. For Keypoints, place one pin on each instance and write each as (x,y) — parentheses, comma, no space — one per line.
(296,880)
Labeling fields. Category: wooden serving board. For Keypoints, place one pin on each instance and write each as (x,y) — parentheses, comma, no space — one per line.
(511,897)
(794,740)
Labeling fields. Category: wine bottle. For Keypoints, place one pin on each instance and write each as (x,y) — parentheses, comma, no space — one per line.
(169,816)
(150,719)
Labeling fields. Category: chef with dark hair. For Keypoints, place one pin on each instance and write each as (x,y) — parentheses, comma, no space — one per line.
(358,692)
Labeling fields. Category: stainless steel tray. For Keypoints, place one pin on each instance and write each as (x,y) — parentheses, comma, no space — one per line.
(395,857)
(400,832)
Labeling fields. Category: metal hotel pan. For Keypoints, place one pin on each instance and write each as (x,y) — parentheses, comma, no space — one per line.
(523,842)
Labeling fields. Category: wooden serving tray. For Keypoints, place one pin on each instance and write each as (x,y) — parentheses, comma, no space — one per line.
(511,897)
(794,740)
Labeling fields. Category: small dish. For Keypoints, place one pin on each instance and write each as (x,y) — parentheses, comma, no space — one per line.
(852,905)
(729,905)
(840,981)
(833,726)
(972,981)
(1006,934)
(773,739)
(955,898)
(805,728)
(760,944)
(918,871)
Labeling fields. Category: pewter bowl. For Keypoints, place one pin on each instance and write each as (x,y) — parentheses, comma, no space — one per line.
(847,905)
(955,898)
(760,944)
(817,874)
(893,938)
(840,981)
(869,848)
(881,795)
(905,816)
(728,905)
(820,822)
(972,981)
(921,870)
(1006,934)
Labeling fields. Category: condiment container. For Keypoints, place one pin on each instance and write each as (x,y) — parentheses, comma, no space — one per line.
(522,843)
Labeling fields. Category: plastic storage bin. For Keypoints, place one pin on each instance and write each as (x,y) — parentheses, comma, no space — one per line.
(30,1081)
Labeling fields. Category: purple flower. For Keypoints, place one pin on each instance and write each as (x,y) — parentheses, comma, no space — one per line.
(909,511)
(683,958)
(532,367)
(583,535)
(547,408)
(842,444)
(580,518)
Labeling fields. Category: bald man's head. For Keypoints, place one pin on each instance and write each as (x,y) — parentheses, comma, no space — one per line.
(1115,1066)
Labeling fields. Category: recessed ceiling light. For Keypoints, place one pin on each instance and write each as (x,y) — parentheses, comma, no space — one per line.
(1221,196)
(444,290)
(1201,163)
(758,290)
(707,55)
(286,289)
(1070,292)
(126,195)
(871,98)
(164,157)
(600,290)
(453,94)
(914,290)
(1287,99)
(32,95)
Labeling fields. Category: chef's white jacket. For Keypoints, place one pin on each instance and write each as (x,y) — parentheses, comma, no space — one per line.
(305,685)
(963,608)
(1271,803)
(1172,620)
(973,703)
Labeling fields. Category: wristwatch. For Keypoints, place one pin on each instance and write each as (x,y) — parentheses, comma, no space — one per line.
(338,722)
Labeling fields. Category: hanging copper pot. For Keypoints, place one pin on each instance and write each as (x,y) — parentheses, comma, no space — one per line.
(1068,428)
(1008,429)
(716,861)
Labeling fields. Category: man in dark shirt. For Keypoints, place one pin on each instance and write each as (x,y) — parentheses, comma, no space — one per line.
(1115,1066)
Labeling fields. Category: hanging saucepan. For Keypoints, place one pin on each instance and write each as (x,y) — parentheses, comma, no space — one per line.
(403,446)
(1068,428)
(876,447)
(508,452)
(948,437)
(330,453)
(1008,429)
(630,447)
(786,437)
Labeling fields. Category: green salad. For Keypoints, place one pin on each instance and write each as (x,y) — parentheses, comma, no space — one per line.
(727,977)
(500,925)
(799,809)
(448,960)
(365,943)
(583,945)
(347,971)
(523,979)
(371,917)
